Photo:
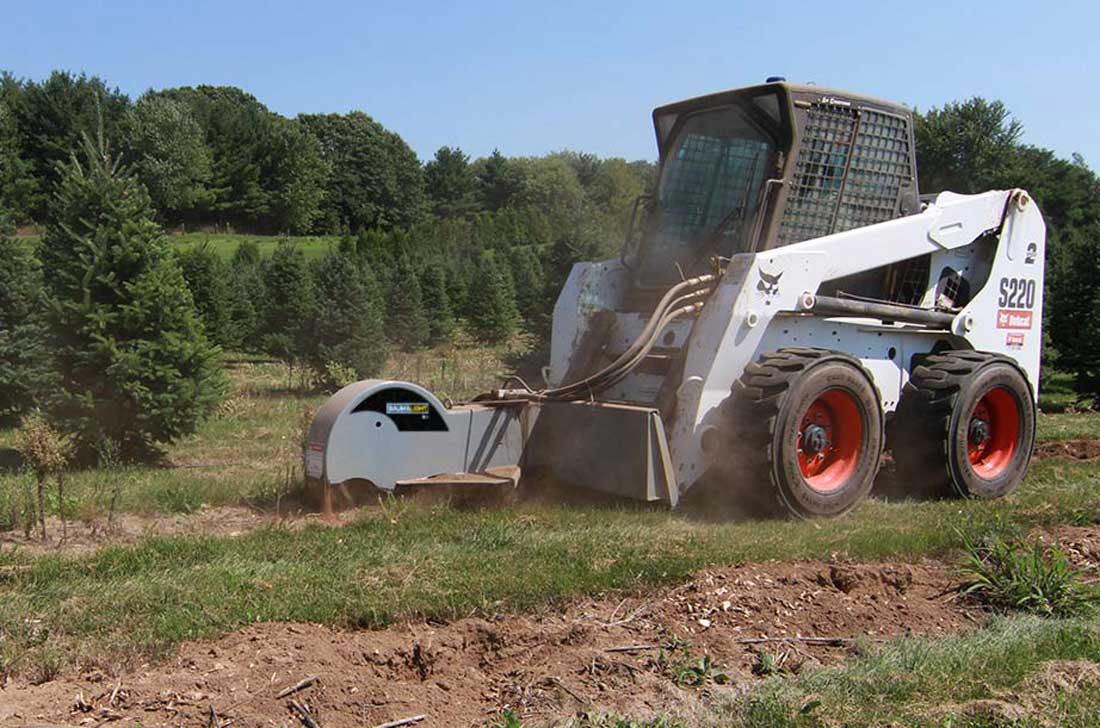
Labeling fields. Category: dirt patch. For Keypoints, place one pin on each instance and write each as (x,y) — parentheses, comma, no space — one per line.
(1081,545)
(603,653)
(85,537)
(1088,449)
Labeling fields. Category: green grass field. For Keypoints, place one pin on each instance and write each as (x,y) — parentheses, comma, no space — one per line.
(225,245)
(357,575)
(140,600)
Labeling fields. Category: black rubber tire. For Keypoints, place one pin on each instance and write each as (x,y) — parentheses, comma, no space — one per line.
(929,431)
(764,412)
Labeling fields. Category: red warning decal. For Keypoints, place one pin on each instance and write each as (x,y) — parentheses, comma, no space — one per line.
(1013,319)
(1014,340)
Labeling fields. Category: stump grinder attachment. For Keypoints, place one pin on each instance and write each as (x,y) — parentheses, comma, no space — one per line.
(785,307)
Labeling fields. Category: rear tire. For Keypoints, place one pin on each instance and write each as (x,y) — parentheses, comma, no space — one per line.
(965,426)
(809,423)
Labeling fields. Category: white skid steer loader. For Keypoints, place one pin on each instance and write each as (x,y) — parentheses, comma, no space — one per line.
(786,306)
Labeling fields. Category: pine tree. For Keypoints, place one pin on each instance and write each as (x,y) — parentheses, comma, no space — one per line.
(134,365)
(23,353)
(208,279)
(437,304)
(247,253)
(492,303)
(458,287)
(527,279)
(347,329)
(246,295)
(407,325)
(288,300)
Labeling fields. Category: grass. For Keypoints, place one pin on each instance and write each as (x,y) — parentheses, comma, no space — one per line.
(1027,577)
(1056,392)
(409,560)
(226,244)
(940,683)
(1067,426)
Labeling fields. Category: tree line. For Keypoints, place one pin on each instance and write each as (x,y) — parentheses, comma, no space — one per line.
(215,157)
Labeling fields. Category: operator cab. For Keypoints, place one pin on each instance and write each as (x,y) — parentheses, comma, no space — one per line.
(765,166)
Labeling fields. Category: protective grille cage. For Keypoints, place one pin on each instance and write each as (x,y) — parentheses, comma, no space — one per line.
(849,172)
(712,177)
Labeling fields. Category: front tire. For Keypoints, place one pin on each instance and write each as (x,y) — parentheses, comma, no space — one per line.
(809,423)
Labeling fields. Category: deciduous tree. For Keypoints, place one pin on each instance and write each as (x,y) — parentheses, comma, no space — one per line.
(166,148)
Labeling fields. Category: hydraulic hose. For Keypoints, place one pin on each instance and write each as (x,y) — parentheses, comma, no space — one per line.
(630,359)
(670,307)
(615,377)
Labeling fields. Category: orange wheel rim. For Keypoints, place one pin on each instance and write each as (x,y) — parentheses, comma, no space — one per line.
(993,433)
(830,440)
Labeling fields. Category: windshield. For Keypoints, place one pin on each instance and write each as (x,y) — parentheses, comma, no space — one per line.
(707,194)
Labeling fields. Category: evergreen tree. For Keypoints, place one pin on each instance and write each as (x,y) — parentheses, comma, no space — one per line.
(244,290)
(53,115)
(246,295)
(17,184)
(527,279)
(347,325)
(458,284)
(23,350)
(495,184)
(288,303)
(407,325)
(450,183)
(492,304)
(1073,320)
(135,367)
(247,253)
(437,304)
(208,280)
(375,249)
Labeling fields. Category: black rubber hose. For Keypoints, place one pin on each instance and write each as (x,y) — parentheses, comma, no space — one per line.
(678,308)
(624,371)
(643,343)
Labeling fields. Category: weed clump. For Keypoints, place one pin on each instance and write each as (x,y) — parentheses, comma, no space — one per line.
(1027,578)
(46,452)
(687,670)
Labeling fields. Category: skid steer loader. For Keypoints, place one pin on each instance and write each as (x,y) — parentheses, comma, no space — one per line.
(785,308)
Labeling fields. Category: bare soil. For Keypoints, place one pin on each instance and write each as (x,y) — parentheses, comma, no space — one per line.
(1088,449)
(541,666)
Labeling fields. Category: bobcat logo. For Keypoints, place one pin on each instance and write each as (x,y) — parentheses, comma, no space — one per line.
(769,283)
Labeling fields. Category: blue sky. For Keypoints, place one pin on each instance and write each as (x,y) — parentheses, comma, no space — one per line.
(535,77)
